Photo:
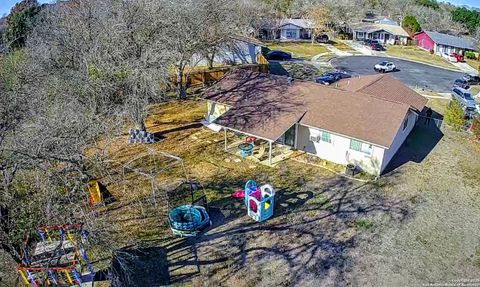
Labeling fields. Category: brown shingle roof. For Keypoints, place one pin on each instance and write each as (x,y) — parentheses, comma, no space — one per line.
(267,105)
(384,87)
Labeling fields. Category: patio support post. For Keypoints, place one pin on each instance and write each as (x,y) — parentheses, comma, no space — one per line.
(270,153)
(296,136)
(225,132)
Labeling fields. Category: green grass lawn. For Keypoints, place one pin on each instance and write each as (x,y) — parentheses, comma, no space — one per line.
(299,50)
(339,44)
(473,63)
(438,105)
(417,54)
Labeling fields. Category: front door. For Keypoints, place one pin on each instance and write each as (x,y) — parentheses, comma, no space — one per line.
(290,137)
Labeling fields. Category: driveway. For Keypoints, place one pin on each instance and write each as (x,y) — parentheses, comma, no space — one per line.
(415,75)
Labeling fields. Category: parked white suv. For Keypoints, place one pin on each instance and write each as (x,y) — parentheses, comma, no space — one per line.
(385,66)
(464,97)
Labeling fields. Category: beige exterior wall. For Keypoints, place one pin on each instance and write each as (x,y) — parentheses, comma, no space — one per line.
(338,151)
(399,138)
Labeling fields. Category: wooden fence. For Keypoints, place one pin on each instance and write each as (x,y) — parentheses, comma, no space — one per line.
(208,76)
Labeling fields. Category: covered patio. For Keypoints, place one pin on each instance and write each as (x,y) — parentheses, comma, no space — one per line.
(257,149)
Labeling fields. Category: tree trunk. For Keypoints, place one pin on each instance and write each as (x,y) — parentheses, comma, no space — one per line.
(181,93)
(140,125)
(210,61)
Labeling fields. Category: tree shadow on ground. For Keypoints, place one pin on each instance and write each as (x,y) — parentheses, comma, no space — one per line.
(133,266)
(420,142)
(162,134)
(309,239)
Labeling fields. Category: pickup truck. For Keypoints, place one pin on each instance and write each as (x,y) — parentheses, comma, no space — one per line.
(385,66)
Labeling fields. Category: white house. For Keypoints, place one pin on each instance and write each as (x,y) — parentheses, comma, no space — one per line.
(286,30)
(358,121)
(384,31)
(240,50)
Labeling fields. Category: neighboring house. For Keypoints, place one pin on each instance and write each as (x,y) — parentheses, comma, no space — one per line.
(286,29)
(241,50)
(443,43)
(385,31)
(362,120)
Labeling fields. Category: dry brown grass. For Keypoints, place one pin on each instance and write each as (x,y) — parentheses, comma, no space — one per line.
(299,50)
(420,221)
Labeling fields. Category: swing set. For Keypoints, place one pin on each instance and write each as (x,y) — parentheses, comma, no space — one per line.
(56,257)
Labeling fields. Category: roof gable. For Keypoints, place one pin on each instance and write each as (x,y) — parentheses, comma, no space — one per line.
(267,105)
(384,87)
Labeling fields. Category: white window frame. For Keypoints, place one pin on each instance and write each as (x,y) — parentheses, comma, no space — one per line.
(365,148)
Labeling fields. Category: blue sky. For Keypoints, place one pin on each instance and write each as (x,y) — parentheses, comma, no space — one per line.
(473,3)
(6,5)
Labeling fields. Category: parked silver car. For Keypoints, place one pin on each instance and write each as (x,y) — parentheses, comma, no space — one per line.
(464,97)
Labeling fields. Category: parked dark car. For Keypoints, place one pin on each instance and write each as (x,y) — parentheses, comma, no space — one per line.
(369,42)
(331,77)
(471,79)
(278,55)
(377,47)
(461,83)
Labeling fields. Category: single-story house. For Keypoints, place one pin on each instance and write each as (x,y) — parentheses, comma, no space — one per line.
(385,33)
(362,120)
(286,29)
(443,43)
(239,50)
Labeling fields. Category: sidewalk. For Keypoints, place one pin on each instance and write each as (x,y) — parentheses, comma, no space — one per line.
(359,48)
(466,68)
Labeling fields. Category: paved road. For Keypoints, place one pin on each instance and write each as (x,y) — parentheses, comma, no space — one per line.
(411,73)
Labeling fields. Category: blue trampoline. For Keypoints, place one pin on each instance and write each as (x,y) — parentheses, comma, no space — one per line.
(188,220)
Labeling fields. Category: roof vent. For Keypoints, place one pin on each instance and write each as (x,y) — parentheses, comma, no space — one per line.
(290,80)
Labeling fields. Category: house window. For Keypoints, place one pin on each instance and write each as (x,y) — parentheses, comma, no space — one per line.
(326,137)
(405,123)
(290,33)
(361,147)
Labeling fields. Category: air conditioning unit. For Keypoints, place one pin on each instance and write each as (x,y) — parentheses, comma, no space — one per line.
(315,139)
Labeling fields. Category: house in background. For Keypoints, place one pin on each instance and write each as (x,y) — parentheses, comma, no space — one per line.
(362,121)
(240,50)
(286,29)
(443,43)
(385,31)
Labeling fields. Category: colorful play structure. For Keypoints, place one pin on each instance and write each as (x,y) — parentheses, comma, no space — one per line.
(259,201)
(95,195)
(56,257)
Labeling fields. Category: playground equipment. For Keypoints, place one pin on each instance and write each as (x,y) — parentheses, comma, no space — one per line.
(56,257)
(259,201)
(188,214)
(188,220)
(97,194)
(182,202)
